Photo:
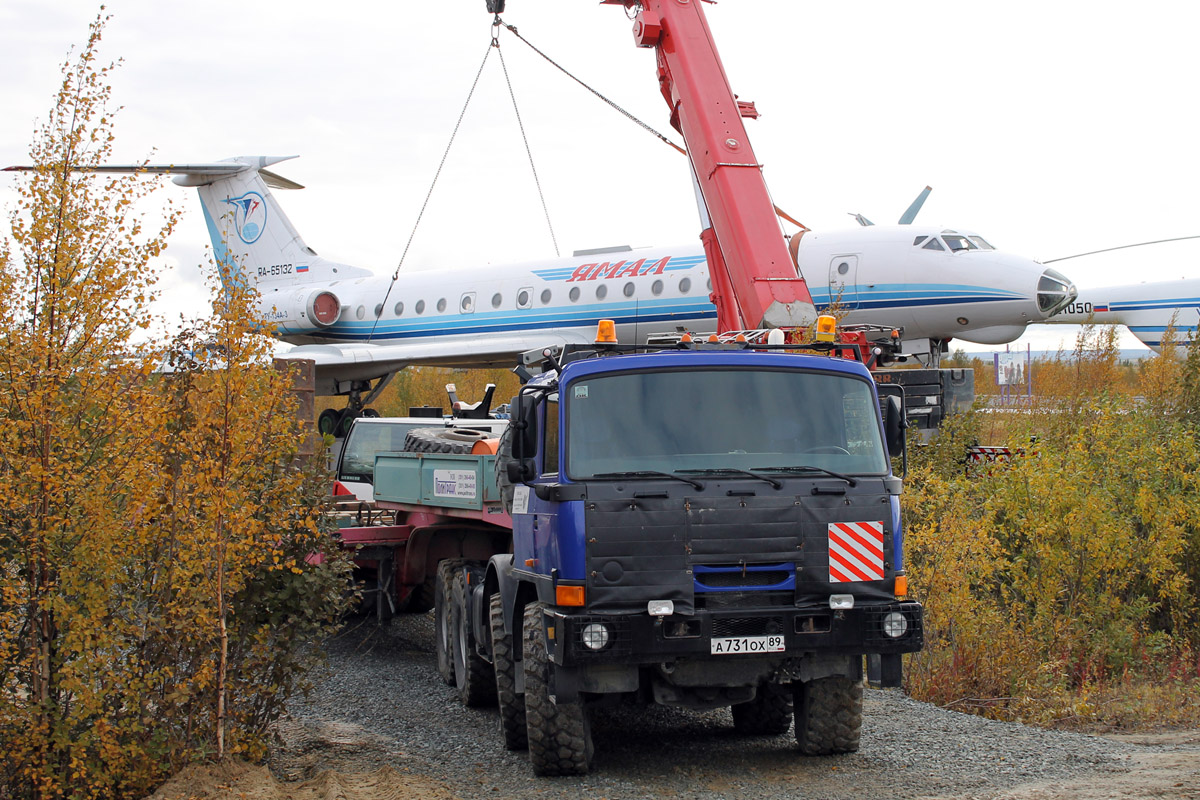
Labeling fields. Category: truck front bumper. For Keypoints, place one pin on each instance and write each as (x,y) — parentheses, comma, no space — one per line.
(578,639)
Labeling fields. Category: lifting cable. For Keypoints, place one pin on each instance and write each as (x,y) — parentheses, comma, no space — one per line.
(494,43)
(513,30)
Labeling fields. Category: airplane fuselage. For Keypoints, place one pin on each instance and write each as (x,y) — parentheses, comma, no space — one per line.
(881,275)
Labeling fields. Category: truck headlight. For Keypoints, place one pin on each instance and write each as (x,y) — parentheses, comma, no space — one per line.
(895,625)
(595,636)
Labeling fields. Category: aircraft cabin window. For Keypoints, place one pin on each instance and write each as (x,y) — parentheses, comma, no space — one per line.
(685,285)
(467,304)
(628,290)
(957,242)
(360,312)
(442,304)
(573,294)
(843,267)
(546,297)
(934,243)
(656,288)
(420,306)
(399,309)
(497,300)
(379,311)
(708,284)
(983,243)
(601,291)
(918,240)
(525,298)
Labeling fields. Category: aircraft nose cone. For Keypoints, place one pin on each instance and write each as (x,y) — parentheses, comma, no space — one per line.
(1055,292)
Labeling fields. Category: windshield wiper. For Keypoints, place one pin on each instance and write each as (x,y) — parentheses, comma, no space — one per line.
(732,471)
(809,468)
(648,473)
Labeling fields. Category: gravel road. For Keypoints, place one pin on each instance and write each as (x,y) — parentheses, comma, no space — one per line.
(381,704)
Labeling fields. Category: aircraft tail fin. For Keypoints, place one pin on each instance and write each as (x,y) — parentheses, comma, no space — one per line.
(253,240)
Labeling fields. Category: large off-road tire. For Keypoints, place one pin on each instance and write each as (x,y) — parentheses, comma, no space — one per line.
(768,714)
(472,675)
(442,440)
(443,598)
(829,716)
(512,705)
(560,736)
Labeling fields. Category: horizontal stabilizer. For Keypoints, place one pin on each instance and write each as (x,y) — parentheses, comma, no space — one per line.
(195,174)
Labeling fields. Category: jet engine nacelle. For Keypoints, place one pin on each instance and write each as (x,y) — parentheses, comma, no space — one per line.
(997,334)
(302,310)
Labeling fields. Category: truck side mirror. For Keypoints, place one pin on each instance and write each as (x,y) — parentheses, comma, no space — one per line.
(894,424)
(525,439)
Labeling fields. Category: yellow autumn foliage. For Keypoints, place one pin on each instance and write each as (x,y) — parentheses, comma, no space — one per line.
(158,589)
(1075,565)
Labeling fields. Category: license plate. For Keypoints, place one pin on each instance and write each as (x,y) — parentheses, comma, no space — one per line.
(726,645)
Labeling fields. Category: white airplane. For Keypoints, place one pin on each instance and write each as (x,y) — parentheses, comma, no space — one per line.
(1147,309)
(359,328)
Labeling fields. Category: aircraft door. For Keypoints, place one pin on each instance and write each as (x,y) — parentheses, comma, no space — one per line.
(843,281)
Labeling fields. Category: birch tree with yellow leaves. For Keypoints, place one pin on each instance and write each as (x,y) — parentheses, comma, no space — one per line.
(163,565)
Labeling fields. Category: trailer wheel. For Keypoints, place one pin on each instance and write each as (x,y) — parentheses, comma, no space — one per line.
(442,440)
(472,675)
(560,736)
(423,597)
(829,716)
(768,714)
(512,705)
(442,596)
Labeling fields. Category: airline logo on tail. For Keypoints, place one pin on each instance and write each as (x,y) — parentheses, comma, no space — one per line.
(250,216)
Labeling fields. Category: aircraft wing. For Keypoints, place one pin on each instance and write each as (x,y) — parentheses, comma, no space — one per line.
(342,363)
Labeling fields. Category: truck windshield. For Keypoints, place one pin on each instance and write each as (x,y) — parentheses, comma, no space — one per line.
(687,419)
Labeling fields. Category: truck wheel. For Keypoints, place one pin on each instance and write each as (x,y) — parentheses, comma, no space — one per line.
(443,598)
(442,440)
(829,716)
(768,714)
(512,705)
(472,675)
(560,737)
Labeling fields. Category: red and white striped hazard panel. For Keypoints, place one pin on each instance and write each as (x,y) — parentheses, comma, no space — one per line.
(855,551)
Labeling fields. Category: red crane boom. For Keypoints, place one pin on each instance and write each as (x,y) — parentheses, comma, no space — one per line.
(755,283)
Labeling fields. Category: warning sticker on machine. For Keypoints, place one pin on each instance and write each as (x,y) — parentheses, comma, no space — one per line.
(458,483)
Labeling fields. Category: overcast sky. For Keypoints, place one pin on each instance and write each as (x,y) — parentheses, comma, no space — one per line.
(1051,128)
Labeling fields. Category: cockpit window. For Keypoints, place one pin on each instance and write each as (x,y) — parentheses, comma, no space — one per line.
(983,244)
(934,243)
(957,242)
(918,240)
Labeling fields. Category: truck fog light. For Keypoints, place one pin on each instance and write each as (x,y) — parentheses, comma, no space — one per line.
(841,602)
(660,608)
(595,636)
(895,625)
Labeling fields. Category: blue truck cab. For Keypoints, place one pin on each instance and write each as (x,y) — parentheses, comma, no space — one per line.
(700,527)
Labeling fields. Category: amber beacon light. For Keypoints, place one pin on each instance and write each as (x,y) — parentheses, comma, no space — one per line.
(826,328)
(606,332)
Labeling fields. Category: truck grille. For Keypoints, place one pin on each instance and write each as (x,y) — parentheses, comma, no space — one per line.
(724,580)
(719,600)
(747,626)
